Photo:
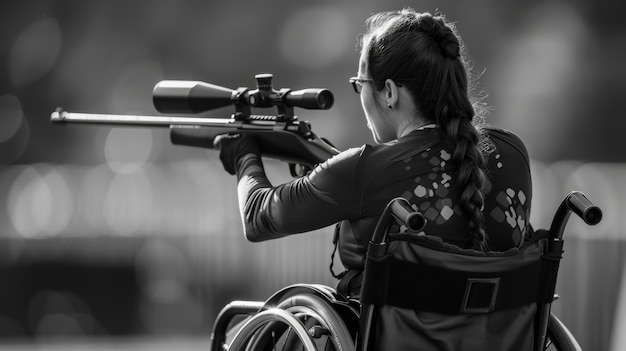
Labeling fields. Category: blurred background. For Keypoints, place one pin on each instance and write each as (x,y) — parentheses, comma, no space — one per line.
(113,237)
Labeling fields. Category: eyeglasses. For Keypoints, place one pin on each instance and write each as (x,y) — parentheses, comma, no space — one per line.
(357,83)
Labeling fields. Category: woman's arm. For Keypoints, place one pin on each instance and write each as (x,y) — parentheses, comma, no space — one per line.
(328,194)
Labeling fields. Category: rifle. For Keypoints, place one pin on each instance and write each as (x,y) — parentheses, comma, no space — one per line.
(281,136)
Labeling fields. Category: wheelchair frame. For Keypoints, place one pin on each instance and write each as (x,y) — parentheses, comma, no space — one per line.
(316,317)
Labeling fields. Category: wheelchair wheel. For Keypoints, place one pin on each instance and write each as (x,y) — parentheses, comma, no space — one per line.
(559,337)
(261,319)
(300,322)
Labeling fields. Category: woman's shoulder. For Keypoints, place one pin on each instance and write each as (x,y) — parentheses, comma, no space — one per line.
(505,139)
(503,134)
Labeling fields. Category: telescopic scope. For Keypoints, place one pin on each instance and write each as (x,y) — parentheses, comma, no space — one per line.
(181,96)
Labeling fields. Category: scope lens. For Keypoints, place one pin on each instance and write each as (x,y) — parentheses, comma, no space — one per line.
(325,100)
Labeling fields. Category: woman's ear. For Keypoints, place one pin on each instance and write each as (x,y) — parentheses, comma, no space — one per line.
(391,93)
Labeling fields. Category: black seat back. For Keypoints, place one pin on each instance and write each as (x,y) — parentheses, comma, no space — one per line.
(421,293)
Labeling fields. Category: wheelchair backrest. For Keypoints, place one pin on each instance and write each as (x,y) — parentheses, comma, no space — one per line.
(436,296)
(419,292)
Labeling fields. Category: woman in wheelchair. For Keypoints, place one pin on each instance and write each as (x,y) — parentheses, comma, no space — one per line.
(474,276)
(432,148)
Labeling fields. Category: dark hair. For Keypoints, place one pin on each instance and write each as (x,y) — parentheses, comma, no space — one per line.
(424,53)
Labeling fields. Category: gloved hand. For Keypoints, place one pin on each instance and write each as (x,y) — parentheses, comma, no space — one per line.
(234,146)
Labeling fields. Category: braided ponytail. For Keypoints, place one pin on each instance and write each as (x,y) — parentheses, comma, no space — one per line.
(443,36)
(424,52)
(454,114)
(461,136)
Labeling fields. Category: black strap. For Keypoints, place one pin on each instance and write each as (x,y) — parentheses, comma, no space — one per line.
(349,285)
(390,281)
(550,262)
(332,255)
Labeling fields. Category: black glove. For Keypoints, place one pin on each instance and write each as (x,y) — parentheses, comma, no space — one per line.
(234,146)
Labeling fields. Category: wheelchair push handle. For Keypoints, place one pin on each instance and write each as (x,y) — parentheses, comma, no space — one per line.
(578,203)
(405,214)
(584,208)
(400,209)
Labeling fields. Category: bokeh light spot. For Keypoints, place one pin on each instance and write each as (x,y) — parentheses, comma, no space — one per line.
(11,116)
(128,204)
(93,188)
(315,37)
(14,129)
(58,314)
(132,89)
(40,202)
(35,51)
(163,271)
(127,150)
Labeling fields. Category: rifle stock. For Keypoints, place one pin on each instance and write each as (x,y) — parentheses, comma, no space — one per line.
(283,145)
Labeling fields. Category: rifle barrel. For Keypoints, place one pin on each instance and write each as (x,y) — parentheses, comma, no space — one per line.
(137,120)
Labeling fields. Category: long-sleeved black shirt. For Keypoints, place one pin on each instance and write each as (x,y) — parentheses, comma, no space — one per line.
(354,187)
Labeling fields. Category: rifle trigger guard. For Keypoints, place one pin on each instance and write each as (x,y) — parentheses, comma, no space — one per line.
(298,170)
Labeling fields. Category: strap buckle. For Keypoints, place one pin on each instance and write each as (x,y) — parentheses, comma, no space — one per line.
(480,295)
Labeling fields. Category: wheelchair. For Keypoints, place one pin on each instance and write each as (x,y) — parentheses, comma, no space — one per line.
(455,299)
